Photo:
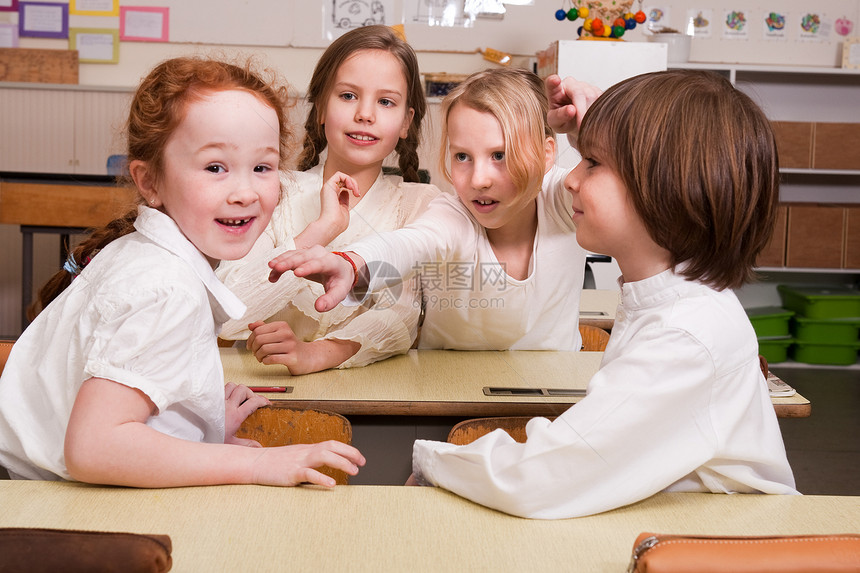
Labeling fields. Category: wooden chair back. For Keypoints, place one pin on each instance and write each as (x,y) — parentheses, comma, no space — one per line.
(593,338)
(5,349)
(276,425)
(468,431)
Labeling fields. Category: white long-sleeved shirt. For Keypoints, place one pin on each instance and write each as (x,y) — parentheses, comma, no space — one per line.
(384,325)
(679,404)
(470,302)
(145,313)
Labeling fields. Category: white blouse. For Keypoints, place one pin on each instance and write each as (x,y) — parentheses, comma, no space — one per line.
(384,325)
(679,404)
(470,302)
(145,312)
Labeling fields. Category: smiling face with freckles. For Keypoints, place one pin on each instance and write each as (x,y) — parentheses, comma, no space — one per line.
(220,177)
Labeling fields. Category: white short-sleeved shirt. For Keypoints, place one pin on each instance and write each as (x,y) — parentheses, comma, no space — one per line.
(145,312)
(383,326)
(679,404)
(470,302)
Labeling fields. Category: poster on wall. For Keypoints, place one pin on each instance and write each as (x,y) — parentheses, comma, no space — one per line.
(8,5)
(94,7)
(844,26)
(43,20)
(815,26)
(658,17)
(445,13)
(144,24)
(773,24)
(702,22)
(341,16)
(94,45)
(735,25)
(8,36)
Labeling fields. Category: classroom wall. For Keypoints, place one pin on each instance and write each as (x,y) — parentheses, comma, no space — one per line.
(289,35)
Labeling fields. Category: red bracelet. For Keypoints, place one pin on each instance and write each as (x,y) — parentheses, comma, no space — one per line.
(351,262)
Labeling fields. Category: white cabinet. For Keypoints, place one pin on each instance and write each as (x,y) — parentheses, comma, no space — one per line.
(54,129)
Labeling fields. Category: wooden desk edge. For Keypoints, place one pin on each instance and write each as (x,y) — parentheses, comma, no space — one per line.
(604,323)
(468,409)
(453,409)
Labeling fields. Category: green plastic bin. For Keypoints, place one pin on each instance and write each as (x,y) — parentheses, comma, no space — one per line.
(821,302)
(770,320)
(833,354)
(825,330)
(774,348)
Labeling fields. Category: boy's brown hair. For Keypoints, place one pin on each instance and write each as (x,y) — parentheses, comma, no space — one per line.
(699,161)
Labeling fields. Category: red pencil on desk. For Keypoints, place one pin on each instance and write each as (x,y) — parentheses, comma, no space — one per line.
(270,388)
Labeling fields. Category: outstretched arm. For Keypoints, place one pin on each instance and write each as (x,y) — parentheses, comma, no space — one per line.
(334,272)
(108,442)
(569,99)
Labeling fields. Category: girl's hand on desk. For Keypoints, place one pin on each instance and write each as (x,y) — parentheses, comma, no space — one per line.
(239,403)
(317,264)
(294,465)
(276,343)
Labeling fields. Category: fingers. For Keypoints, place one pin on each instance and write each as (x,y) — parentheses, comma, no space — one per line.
(294,260)
(243,399)
(347,452)
(312,476)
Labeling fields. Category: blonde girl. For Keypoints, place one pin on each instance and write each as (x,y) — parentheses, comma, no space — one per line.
(500,265)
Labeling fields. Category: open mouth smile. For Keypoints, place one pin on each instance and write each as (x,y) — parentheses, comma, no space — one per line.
(235,222)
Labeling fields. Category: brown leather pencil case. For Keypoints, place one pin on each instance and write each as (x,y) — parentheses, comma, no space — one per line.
(49,550)
(662,553)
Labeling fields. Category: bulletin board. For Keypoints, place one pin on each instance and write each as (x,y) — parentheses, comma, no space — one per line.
(738,31)
(523,29)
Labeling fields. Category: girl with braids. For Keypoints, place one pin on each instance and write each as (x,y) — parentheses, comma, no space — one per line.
(118,380)
(366,101)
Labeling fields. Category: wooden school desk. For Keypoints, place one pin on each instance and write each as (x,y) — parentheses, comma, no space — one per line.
(597,307)
(362,528)
(422,394)
(56,204)
(444,383)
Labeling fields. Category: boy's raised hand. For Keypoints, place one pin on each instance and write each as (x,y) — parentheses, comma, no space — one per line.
(317,264)
(569,99)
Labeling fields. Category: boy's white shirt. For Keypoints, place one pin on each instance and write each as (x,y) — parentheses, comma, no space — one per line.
(679,404)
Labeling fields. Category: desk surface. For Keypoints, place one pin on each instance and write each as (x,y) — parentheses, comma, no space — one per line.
(390,528)
(597,307)
(441,383)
